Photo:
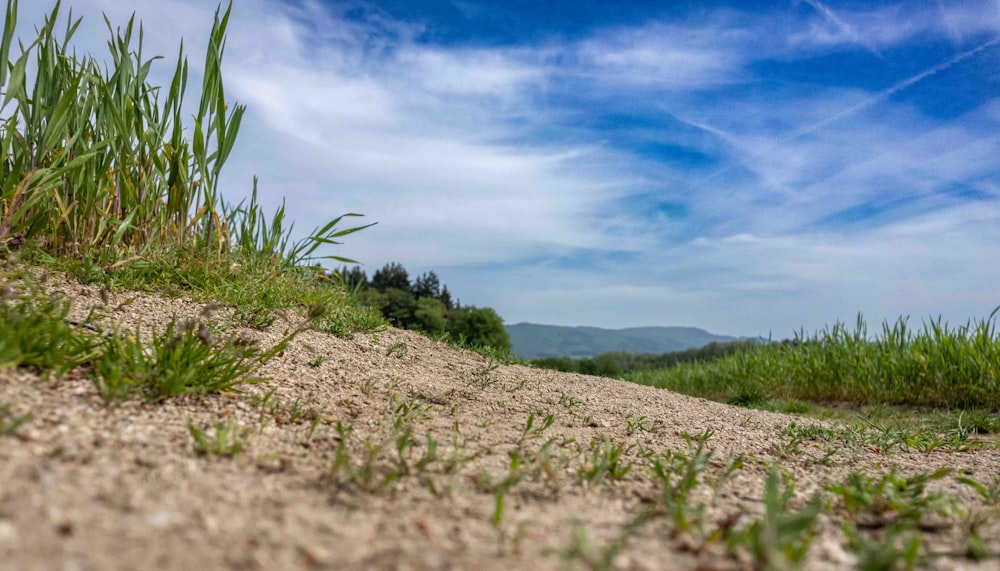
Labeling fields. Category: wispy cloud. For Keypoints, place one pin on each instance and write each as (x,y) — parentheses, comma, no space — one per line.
(843,27)
(953,32)
(882,26)
(662,54)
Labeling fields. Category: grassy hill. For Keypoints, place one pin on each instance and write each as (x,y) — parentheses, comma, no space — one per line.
(534,341)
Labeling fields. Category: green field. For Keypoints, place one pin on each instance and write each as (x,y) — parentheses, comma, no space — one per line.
(934,366)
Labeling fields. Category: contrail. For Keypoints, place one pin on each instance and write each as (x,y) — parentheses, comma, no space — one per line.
(877,98)
(885,94)
(845,28)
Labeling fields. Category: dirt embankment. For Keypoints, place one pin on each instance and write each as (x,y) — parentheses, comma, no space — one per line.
(392,451)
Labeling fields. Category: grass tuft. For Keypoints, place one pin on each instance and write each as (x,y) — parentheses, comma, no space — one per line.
(225,440)
(35,332)
(185,359)
(9,421)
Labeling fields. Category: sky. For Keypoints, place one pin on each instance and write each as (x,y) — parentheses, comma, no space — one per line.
(751,168)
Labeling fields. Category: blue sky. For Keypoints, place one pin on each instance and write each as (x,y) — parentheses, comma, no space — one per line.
(746,167)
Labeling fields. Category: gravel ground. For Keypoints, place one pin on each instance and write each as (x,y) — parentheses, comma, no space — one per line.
(90,485)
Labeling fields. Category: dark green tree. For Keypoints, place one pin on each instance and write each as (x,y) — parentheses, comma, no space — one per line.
(427,285)
(373,298)
(478,327)
(391,276)
(564,364)
(353,278)
(603,365)
(606,366)
(446,299)
(400,307)
(430,316)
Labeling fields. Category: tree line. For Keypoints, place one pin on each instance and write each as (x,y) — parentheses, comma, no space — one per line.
(424,305)
(618,363)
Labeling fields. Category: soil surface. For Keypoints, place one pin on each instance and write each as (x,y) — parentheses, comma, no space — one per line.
(390,451)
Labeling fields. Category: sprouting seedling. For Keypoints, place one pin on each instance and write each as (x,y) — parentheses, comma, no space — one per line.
(606,462)
(404,443)
(226,440)
(569,400)
(430,454)
(898,548)
(531,431)
(367,474)
(397,349)
(10,422)
(634,424)
(891,499)
(311,431)
(990,493)
(483,377)
(499,488)
(781,538)
(699,438)
(674,492)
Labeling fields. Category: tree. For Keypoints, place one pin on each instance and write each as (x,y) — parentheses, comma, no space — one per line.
(391,276)
(375,299)
(427,285)
(564,364)
(606,366)
(479,327)
(446,298)
(430,316)
(400,307)
(353,279)
(603,365)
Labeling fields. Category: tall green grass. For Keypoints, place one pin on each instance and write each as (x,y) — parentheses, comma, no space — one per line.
(95,160)
(938,365)
(101,177)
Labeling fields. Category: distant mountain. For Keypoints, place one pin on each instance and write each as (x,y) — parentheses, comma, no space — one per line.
(533,341)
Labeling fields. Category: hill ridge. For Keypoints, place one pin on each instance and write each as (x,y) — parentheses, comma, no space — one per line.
(539,341)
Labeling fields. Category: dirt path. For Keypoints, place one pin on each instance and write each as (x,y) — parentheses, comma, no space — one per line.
(425,445)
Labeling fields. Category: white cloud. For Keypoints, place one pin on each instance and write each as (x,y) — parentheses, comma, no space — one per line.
(480,72)
(662,54)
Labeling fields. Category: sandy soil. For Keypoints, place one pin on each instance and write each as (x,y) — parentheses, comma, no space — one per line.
(87,485)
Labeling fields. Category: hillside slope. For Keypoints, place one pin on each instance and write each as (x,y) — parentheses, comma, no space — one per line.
(393,451)
(534,341)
